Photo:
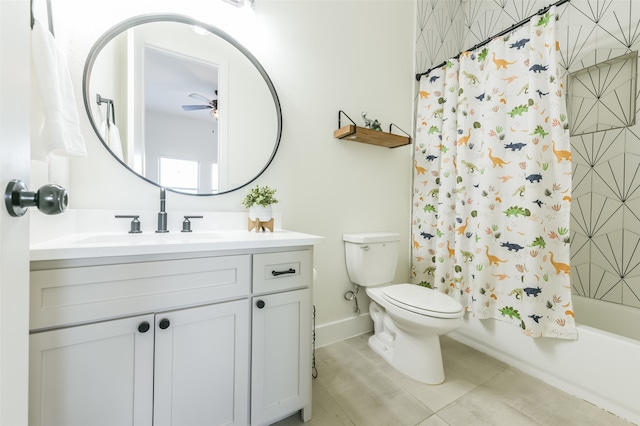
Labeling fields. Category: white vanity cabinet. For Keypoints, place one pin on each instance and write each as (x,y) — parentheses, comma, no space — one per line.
(106,373)
(185,366)
(171,339)
(281,336)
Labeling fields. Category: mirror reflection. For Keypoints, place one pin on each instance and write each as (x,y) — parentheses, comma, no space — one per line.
(182,104)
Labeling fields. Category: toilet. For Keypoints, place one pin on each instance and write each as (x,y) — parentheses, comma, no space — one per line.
(408,319)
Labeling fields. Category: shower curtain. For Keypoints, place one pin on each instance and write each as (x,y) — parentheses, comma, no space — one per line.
(492,182)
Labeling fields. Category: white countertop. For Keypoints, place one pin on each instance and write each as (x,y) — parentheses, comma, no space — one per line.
(91,245)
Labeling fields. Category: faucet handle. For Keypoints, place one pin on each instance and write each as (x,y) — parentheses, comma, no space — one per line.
(186,225)
(135,223)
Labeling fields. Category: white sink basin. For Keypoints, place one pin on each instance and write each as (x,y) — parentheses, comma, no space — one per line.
(150,238)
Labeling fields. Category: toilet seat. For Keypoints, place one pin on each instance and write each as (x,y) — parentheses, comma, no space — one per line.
(422,300)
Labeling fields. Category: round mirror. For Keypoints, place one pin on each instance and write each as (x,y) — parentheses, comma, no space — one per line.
(182,104)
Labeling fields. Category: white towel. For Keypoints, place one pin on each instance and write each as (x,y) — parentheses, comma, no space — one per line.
(61,134)
(111,136)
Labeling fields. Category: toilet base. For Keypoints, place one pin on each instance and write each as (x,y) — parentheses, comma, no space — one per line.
(418,357)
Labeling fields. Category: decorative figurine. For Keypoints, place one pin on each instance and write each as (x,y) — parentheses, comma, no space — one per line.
(371,124)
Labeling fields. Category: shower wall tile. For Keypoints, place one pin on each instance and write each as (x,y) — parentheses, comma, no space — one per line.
(632,211)
(631,292)
(580,248)
(582,270)
(602,96)
(483,25)
(606,187)
(618,20)
(440,27)
(596,214)
(603,283)
(632,137)
(581,181)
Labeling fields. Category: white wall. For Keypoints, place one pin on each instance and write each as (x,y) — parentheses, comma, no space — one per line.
(322,56)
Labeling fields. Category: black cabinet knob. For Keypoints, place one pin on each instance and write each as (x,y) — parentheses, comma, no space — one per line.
(164,324)
(143,327)
(260,304)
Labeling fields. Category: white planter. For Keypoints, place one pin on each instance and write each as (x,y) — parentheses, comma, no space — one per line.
(262,213)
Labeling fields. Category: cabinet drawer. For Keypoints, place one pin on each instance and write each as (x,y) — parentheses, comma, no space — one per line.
(282,271)
(85,294)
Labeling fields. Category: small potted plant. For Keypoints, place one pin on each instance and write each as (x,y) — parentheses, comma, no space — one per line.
(259,200)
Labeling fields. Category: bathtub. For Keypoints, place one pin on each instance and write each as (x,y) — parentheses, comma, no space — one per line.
(600,367)
(617,319)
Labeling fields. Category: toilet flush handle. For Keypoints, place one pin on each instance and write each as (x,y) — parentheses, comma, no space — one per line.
(365,248)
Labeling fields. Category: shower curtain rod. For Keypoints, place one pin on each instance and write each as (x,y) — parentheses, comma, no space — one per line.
(501,33)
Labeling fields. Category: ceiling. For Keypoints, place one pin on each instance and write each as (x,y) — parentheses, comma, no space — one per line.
(170,79)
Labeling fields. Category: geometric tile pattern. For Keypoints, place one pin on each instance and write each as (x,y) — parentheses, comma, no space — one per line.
(602,96)
(605,225)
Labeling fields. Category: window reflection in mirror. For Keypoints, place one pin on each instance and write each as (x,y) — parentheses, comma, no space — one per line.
(181,175)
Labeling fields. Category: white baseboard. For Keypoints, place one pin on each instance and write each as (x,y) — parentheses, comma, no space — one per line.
(343,329)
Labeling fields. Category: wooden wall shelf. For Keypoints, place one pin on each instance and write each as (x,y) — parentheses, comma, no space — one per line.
(374,137)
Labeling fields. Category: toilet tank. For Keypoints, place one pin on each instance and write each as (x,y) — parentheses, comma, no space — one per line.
(371,257)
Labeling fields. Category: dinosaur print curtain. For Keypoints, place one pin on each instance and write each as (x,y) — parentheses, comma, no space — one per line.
(492,182)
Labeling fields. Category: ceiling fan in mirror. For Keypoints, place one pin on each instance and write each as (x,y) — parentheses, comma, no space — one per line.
(210,104)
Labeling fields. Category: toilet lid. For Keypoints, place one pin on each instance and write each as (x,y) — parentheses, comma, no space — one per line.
(422,300)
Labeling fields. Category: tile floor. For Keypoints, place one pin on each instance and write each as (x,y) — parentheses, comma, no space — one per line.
(357,387)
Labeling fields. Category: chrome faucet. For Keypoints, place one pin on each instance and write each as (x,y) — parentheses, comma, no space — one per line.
(162,216)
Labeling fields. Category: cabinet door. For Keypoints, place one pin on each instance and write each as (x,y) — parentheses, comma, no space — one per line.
(281,355)
(96,374)
(202,365)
